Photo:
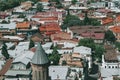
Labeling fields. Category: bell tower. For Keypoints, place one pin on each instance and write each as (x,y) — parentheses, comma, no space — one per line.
(40,64)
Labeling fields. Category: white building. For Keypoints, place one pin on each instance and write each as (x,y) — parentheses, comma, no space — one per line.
(85,52)
(110,64)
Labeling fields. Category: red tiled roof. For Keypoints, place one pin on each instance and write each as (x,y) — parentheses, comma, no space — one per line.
(49,18)
(107,20)
(93,35)
(47,14)
(115,29)
(23,25)
(61,35)
(50,27)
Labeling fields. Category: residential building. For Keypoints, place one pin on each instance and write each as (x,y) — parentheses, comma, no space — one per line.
(84,53)
(94,32)
(48,16)
(110,63)
(49,28)
(8,29)
(116,32)
(25,28)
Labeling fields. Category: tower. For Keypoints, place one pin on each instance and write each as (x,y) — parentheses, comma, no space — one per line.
(39,64)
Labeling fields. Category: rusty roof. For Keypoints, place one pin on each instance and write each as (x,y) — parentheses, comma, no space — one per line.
(6,67)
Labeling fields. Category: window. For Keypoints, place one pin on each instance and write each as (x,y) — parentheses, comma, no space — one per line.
(105,66)
(112,66)
(115,66)
(109,66)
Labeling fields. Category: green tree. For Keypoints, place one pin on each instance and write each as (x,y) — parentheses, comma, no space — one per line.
(54,57)
(86,20)
(64,62)
(4,51)
(39,7)
(99,50)
(4,22)
(117,45)
(74,1)
(85,70)
(88,42)
(71,20)
(109,36)
(21,16)
(31,44)
(95,22)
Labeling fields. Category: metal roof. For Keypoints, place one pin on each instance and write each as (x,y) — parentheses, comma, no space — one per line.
(40,57)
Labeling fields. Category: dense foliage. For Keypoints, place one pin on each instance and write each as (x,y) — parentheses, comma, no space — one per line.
(109,36)
(31,44)
(39,7)
(4,51)
(97,50)
(54,57)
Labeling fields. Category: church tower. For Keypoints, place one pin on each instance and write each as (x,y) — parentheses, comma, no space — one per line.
(39,64)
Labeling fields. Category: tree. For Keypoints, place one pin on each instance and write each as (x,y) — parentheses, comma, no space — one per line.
(74,1)
(117,45)
(64,62)
(99,50)
(85,69)
(21,16)
(88,42)
(109,36)
(4,22)
(39,7)
(54,57)
(71,20)
(86,20)
(95,22)
(31,44)
(4,51)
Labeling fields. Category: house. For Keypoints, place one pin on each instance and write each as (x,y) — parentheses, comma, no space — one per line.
(37,37)
(45,4)
(25,28)
(117,20)
(58,72)
(94,32)
(56,16)
(73,59)
(3,15)
(7,29)
(22,61)
(24,6)
(84,53)
(11,39)
(64,38)
(23,25)
(44,0)
(65,73)
(116,32)
(49,28)
(20,65)
(110,62)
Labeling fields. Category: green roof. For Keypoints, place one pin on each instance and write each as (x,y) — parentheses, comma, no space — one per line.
(40,57)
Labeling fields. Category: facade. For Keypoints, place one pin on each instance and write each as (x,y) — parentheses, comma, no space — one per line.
(110,63)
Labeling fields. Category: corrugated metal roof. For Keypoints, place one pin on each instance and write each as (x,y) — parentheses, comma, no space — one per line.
(40,56)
